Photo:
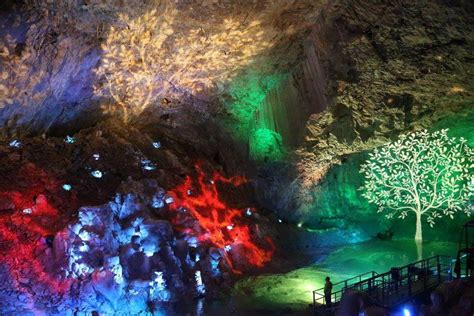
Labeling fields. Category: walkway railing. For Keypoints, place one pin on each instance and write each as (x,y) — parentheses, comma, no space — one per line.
(318,295)
(395,286)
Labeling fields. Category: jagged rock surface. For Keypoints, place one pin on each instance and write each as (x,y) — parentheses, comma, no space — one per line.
(132,254)
(391,68)
(52,52)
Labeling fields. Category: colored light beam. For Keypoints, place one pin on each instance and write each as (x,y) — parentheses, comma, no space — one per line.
(30,218)
(219,224)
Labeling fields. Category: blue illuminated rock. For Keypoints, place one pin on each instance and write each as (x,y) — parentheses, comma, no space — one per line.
(69,139)
(123,255)
(96,174)
(15,143)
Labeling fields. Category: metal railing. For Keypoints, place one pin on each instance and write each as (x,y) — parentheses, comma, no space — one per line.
(400,284)
(395,286)
(339,287)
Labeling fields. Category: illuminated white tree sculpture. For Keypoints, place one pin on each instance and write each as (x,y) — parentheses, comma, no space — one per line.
(427,174)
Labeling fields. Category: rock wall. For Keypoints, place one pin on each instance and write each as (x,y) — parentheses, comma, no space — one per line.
(58,57)
(46,76)
(391,67)
(149,246)
(385,69)
(455,297)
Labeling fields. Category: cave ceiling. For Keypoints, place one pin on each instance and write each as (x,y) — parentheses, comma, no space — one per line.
(61,59)
(303,81)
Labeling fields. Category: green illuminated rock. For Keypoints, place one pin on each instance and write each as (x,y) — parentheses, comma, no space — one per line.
(266,145)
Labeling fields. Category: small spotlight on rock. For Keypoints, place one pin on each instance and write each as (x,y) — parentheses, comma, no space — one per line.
(69,139)
(300,225)
(15,143)
(96,174)
(67,187)
(156,144)
(169,200)
(96,156)
(248,212)
(228,248)
(280,221)
(148,165)
(27,211)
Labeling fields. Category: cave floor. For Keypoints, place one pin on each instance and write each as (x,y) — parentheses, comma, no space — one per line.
(291,293)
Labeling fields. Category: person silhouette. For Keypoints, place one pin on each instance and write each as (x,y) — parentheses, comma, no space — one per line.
(328,292)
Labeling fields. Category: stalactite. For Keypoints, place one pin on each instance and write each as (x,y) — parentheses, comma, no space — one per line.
(286,106)
(280,112)
(314,79)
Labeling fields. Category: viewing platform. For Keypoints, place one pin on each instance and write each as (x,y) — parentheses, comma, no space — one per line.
(391,288)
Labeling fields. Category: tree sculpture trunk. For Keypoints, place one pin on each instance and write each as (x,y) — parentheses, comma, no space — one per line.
(418,234)
(419,237)
(419,249)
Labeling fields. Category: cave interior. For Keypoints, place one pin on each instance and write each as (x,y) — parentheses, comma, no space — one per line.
(227,156)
